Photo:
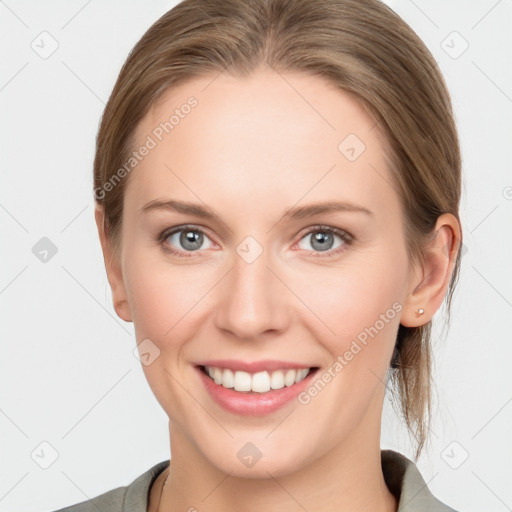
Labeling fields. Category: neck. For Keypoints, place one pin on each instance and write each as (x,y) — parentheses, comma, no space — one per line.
(348,477)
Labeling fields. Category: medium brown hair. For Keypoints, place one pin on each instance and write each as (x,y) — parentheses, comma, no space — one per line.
(360,46)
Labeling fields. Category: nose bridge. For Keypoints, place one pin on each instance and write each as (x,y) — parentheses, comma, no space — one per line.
(250,303)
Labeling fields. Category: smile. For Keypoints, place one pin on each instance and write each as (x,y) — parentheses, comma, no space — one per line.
(254,388)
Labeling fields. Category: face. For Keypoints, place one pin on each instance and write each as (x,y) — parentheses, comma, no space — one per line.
(264,227)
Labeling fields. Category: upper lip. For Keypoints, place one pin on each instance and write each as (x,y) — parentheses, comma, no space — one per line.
(253,366)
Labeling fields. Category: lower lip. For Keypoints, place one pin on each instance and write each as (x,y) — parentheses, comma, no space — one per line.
(252,403)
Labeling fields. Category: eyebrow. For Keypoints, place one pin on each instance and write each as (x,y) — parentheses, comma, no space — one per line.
(297,212)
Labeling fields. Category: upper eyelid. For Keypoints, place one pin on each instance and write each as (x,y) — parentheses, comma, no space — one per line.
(176,229)
(320,227)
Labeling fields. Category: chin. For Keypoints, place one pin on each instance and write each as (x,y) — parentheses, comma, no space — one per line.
(249,462)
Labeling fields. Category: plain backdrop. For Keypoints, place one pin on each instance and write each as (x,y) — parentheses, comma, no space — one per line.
(77,417)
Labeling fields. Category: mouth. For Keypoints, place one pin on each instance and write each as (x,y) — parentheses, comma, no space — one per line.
(263,381)
(257,388)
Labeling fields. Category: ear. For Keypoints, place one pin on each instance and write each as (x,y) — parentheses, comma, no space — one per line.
(113,267)
(430,279)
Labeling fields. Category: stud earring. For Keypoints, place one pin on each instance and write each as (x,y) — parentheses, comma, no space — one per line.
(420,311)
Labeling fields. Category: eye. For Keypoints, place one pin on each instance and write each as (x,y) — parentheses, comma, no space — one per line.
(185,239)
(325,239)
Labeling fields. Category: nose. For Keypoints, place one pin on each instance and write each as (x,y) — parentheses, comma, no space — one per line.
(252,301)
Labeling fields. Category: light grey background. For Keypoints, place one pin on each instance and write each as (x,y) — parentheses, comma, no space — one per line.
(68,374)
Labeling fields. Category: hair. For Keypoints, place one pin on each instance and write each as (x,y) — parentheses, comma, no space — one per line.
(363,48)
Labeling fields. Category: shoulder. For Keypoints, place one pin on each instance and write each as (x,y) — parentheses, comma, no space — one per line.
(404,480)
(132,497)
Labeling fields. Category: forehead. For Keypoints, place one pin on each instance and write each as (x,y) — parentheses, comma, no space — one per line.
(287,133)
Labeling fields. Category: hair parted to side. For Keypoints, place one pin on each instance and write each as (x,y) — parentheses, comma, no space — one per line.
(360,46)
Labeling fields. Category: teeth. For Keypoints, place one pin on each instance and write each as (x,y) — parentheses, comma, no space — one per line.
(260,382)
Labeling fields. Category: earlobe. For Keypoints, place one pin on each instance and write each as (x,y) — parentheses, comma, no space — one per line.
(112,267)
(122,309)
(431,279)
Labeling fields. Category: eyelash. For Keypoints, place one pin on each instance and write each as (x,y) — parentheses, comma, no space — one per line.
(346,237)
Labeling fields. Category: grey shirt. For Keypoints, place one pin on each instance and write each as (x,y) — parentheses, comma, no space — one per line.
(401,475)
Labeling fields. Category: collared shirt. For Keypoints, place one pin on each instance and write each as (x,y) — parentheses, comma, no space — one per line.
(400,474)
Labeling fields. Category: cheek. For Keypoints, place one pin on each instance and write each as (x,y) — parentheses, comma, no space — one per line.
(164,299)
(351,298)
(357,315)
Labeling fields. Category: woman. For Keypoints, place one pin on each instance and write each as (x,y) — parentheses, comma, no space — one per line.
(277,187)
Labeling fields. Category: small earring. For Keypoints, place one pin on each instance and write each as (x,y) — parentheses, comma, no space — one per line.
(420,311)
